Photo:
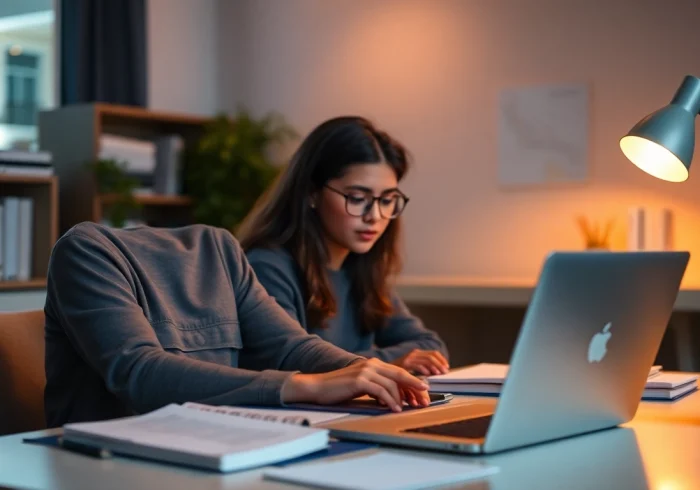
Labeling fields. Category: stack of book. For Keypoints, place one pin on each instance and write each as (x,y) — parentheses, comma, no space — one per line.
(156,165)
(26,163)
(487,379)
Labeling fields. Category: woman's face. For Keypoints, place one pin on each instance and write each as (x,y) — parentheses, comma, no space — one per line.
(357,226)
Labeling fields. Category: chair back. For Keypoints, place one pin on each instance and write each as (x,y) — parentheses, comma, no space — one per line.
(22,375)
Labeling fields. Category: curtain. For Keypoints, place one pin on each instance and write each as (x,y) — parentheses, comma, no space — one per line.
(103,51)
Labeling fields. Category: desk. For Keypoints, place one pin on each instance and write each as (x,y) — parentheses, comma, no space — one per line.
(438,291)
(463,291)
(654,451)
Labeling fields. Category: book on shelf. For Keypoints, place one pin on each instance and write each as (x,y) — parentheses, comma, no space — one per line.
(16,237)
(156,164)
(191,436)
(488,379)
(26,163)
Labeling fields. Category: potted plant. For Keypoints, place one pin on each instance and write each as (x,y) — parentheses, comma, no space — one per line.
(230,166)
(111,178)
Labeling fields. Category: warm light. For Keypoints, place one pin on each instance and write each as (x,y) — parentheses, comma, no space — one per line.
(15,50)
(654,159)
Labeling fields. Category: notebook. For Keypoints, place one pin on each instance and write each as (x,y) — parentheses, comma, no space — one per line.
(487,379)
(381,471)
(188,436)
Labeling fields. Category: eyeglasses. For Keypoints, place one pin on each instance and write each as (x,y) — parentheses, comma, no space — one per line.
(358,203)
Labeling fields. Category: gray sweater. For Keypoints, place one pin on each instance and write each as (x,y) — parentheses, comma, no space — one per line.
(137,319)
(277,270)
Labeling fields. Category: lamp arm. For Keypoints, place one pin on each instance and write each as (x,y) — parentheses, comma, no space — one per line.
(688,95)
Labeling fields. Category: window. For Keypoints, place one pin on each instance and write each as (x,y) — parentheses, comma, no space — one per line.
(27,75)
(21,102)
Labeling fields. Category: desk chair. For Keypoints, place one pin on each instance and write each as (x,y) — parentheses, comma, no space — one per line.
(22,376)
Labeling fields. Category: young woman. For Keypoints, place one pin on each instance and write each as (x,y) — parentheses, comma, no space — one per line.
(324,243)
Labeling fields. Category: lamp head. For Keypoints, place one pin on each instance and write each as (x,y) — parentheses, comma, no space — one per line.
(662,143)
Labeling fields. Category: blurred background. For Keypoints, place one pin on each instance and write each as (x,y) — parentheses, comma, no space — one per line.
(121,112)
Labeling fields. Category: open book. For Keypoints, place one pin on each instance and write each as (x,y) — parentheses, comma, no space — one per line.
(487,379)
(284,416)
(190,436)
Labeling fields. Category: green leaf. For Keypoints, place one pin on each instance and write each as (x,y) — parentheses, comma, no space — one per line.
(228,169)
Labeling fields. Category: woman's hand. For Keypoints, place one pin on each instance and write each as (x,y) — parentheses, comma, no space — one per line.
(386,383)
(426,362)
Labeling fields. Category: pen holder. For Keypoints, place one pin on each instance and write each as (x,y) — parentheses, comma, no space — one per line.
(596,237)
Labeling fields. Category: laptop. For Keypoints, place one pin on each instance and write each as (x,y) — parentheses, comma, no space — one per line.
(590,334)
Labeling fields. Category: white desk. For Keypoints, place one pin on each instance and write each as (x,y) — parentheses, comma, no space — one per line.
(660,449)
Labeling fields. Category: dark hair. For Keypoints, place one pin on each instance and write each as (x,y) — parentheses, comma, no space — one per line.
(282,217)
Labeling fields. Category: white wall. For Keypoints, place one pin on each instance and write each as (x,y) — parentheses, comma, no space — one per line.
(430,72)
(182,55)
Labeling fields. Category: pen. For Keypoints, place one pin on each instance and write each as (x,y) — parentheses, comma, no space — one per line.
(86,449)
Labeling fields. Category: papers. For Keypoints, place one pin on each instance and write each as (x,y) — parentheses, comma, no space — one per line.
(671,380)
(670,386)
(381,471)
(297,417)
(178,434)
(487,379)
(487,373)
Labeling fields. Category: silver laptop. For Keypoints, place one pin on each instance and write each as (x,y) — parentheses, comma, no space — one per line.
(588,340)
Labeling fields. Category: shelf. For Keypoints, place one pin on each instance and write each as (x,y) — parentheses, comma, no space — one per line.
(37,283)
(26,179)
(150,199)
(129,112)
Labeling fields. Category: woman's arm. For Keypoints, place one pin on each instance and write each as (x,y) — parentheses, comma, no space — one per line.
(405,337)
(277,275)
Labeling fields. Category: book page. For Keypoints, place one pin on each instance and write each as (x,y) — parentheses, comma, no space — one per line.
(296,417)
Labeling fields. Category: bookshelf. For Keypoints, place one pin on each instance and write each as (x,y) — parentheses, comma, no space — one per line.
(44,192)
(72,134)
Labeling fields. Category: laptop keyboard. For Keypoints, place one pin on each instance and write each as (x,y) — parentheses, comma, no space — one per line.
(474,428)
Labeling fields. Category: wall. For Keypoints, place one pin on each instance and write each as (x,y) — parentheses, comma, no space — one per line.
(430,72)
(182,55)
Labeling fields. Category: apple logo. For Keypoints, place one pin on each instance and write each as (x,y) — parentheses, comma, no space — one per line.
(598,346)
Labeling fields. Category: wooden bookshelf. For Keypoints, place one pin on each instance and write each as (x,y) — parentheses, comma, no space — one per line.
(72,134)
(38,283)
(44,193)
(149,199)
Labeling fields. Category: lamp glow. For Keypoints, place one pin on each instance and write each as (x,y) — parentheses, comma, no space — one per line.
(653,158)
(662,144)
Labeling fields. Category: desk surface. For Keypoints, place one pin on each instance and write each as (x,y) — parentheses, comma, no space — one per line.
(439,290)
(659,449)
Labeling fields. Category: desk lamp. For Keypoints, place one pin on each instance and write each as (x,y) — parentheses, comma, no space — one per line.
(662,143)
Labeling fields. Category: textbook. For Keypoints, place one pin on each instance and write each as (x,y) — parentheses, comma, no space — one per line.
(189,435)
(487,379)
